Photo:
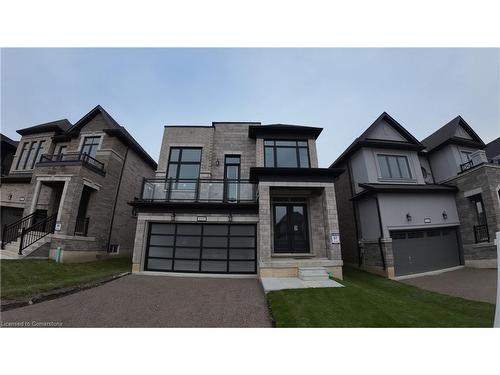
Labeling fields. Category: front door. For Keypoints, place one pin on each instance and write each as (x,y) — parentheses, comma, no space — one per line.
(290,228)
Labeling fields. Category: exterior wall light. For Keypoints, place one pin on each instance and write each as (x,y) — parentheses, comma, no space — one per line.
(445,215)
(408,217)
(217,162)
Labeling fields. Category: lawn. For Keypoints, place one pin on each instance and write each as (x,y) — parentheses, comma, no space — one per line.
(372,301)
(21,278)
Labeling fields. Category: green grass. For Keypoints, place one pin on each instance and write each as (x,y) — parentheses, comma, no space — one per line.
(21,278)
(368,300)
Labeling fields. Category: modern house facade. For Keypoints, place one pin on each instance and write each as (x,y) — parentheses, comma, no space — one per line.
(408,207)
(238,198)
(67,190)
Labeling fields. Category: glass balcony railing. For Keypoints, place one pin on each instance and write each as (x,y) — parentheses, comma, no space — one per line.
(199,190)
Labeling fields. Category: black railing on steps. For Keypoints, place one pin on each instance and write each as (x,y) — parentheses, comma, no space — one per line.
(12,232)
(36,232)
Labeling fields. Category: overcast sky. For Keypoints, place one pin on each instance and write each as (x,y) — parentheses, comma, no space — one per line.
(341,90)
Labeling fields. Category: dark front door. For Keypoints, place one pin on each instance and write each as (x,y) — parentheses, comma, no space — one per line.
(290,228)
(231,177)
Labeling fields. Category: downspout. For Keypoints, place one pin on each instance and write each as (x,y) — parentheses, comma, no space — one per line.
(381,233)
(116,198)
(355,212)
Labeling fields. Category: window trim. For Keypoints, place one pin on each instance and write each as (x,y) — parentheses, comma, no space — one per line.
(297,153)
(379,169)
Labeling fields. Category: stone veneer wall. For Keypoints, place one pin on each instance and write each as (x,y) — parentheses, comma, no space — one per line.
(484,179)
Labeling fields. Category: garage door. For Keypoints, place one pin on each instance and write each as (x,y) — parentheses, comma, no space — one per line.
(206,248)
(424,250)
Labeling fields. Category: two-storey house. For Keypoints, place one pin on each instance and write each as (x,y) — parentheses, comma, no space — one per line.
(457,157)
(238,198)
(393,218)
(69,185)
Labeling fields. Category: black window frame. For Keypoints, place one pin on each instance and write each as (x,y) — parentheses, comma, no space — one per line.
(179,163)
(297,151)
(23,150)
(227,182)
(202,235)
(37,153)
(85,138)
(386,156)
(30,149)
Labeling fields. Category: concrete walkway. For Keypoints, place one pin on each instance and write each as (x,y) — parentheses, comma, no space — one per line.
(471,283)
(154,301)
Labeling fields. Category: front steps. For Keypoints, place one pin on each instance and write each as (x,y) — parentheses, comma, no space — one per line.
(313,274)
(12,249)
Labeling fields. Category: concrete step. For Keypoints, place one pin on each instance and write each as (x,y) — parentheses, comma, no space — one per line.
(12,249)
(313,273)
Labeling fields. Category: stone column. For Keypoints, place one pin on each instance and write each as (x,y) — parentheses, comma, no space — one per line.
(264,248)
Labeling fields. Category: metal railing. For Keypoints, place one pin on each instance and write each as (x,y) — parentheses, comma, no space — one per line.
(481,233)
(198,190)
(12,232)
(36,232)
(84,158)
(81,226)
(467,165)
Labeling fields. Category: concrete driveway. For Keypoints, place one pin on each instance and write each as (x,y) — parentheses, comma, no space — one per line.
(478,284)
(154,301)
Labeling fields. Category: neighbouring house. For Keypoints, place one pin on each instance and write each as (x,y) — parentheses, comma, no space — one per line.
(238,198)
(393,219)
(67,191)
(492,149)
(457,157)
(408,207)
(8,149)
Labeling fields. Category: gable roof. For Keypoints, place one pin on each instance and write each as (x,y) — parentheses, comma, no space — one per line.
(492,149)
(8,141)
(446,134)
(75,129)
(365,141)
(59,126)
(276,130)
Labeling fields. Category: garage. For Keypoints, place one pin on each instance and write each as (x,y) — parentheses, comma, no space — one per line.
(201,248)
(424,250)
(10,215)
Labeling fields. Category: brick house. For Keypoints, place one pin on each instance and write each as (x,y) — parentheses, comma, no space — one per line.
(238,198)
(67,191)
(407,207)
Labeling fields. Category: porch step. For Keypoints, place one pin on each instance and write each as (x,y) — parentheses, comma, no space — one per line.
(12,249)
(313,273)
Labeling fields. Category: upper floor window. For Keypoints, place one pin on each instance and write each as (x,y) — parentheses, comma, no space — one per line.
(286,154)
(465,155)
(90,145)
(30,155)
(184,163)
(394,166)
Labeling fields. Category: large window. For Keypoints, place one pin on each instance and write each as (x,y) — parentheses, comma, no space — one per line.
(22,155)
(184,164)
(30,155)
(394,166)
(90,145)
(286,154)
(38,154)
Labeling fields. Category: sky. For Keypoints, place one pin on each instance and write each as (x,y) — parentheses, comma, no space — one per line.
(340,90)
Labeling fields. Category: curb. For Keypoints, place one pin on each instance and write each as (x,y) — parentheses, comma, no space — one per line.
(56,293)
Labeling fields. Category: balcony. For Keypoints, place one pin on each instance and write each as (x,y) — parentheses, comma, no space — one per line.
(71,159)
(198,190)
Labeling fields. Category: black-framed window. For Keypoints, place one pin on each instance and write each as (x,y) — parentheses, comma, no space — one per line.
(477,200)
(38,155)
(23,151)
(29,155)
(394,166)
(184,164)
(286,153)
(90,145)
(61,149)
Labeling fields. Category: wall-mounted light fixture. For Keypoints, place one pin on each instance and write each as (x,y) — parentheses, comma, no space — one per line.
(230,217)
(172,218)
(217,162)
(408,217)
(10,197)
(445,215)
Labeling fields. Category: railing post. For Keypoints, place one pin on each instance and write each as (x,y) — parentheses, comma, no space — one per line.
(23,231)
(197,193)
(169,192)
(4,229)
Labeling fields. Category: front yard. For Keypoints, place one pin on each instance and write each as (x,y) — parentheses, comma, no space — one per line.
(371,301)
(24,278)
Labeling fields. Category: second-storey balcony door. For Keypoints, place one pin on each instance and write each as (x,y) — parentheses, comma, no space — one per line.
(232,177)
